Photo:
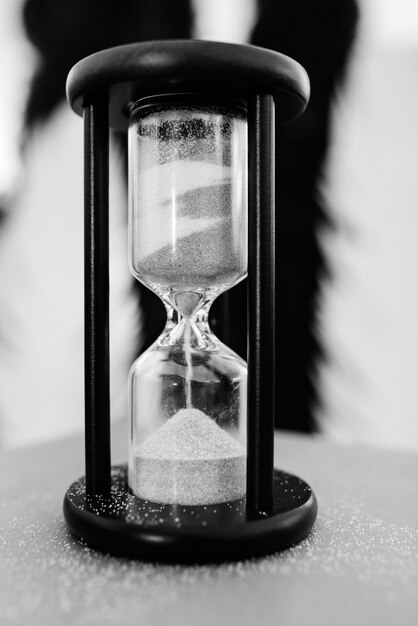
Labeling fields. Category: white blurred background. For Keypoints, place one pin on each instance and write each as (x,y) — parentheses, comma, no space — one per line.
(367,384)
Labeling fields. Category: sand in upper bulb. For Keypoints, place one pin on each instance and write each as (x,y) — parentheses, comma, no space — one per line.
(189,460)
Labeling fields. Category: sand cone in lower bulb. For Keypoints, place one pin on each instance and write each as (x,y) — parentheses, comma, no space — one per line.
(189,460)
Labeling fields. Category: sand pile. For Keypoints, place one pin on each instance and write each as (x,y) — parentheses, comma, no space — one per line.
(190,460)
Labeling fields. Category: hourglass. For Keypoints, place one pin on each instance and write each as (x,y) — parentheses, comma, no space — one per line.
(199,483)
(188,243)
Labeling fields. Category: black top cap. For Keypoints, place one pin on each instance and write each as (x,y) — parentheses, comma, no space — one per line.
(133,71)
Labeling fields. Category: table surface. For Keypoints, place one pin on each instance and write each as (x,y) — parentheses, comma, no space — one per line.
(358,566)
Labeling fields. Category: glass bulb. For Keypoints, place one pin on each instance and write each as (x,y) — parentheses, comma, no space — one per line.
(188,243)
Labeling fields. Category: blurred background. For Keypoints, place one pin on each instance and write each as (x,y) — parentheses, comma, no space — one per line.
(347,213)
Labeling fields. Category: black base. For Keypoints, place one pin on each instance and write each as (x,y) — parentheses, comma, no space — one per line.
(124,525)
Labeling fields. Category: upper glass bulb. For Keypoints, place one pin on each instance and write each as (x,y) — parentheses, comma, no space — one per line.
(189,226)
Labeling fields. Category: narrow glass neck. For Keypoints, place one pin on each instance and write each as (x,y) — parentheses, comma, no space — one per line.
(182,329)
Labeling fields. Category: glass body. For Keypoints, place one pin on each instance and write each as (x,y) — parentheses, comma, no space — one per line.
(188,243)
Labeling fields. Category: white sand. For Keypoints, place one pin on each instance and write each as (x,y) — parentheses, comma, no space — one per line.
(190,460)
(160,193)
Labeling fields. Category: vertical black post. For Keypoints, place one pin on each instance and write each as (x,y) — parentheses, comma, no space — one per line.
(96,294)
(261,303)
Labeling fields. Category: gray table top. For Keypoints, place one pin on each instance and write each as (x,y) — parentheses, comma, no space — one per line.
(358,566)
